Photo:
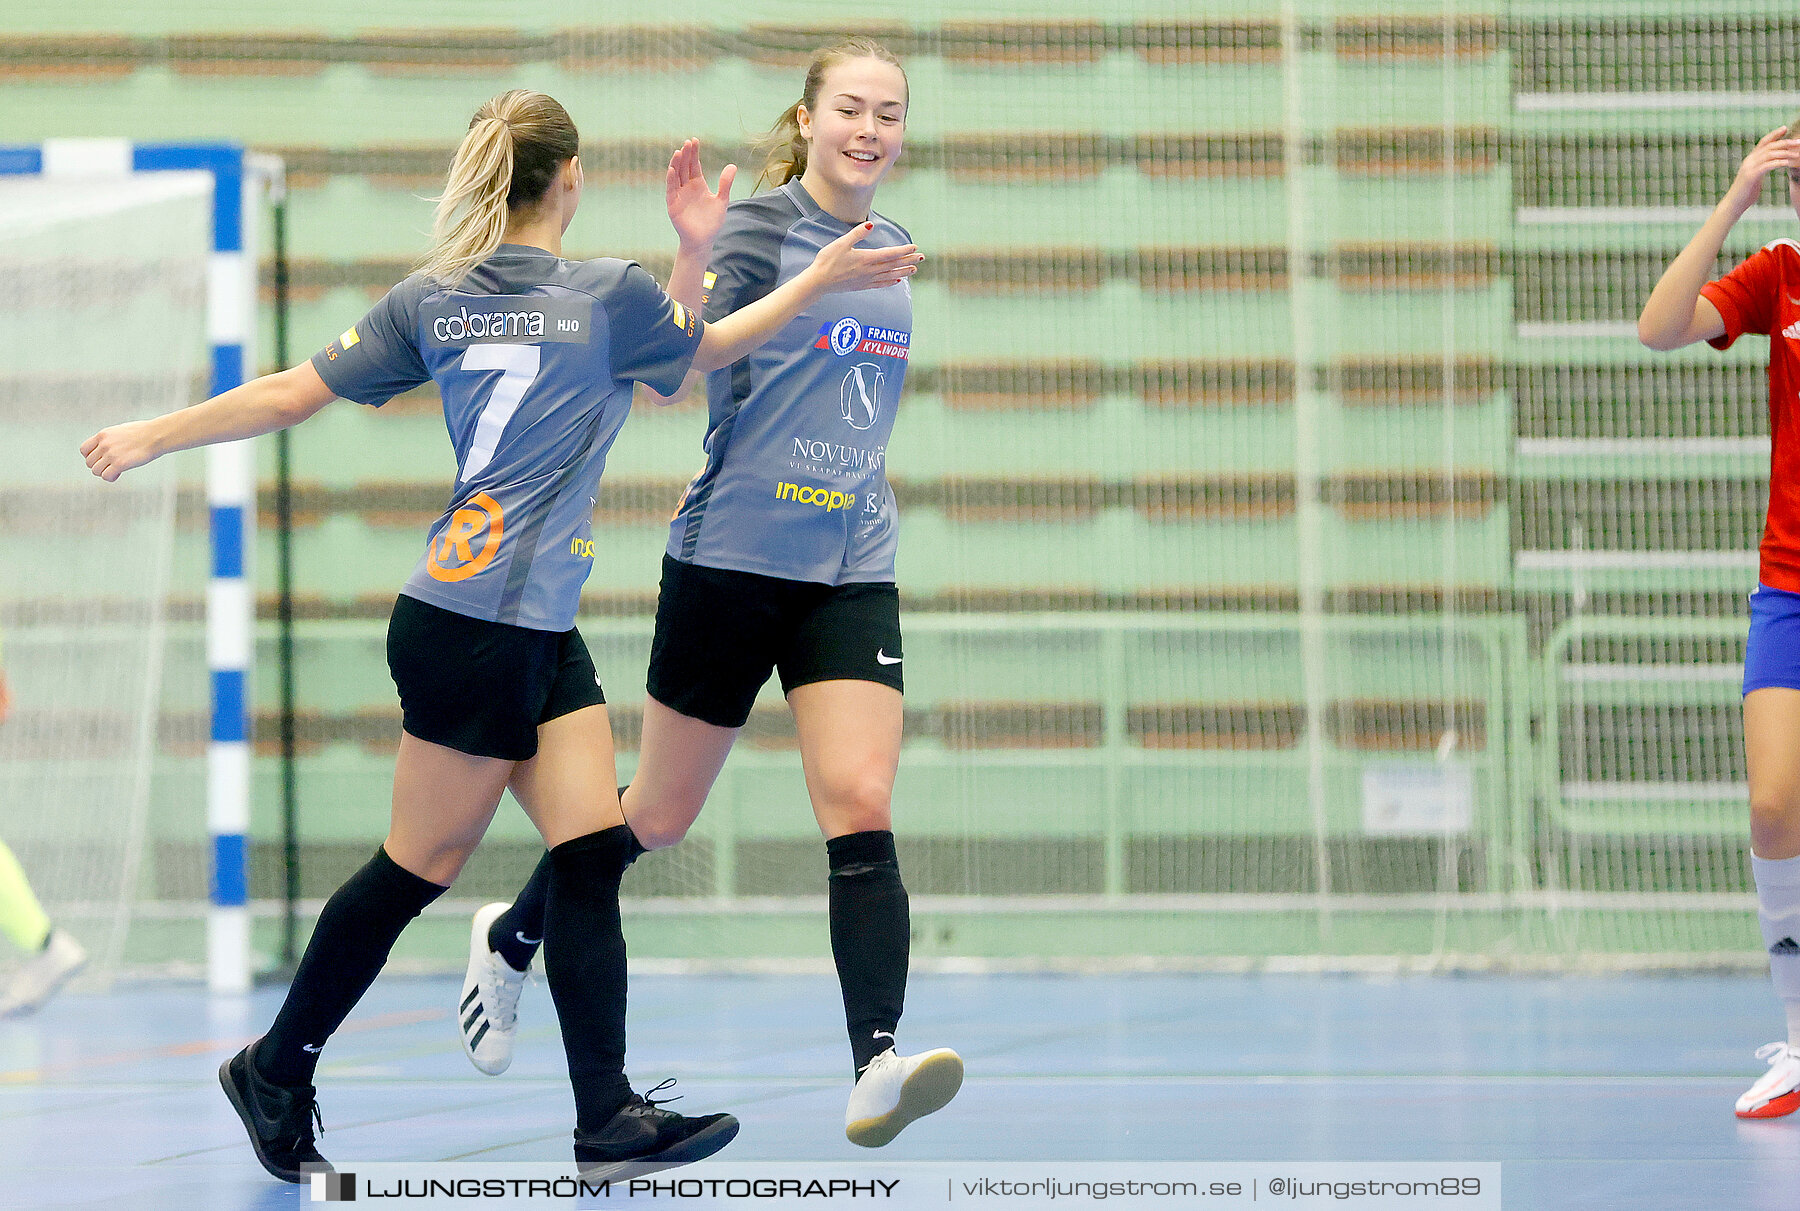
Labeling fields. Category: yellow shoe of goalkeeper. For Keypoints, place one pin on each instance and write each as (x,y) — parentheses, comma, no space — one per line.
(895,1090)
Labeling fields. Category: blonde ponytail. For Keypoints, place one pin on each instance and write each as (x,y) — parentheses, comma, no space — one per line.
(784,147)
(514,146)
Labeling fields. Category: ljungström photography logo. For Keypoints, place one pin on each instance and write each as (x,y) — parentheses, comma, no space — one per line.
(334,1187)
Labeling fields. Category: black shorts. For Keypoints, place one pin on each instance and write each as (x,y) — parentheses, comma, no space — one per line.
(719,634)
(483,687)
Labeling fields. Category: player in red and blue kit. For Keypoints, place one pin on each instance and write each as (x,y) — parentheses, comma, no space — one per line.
(1761,296)
(534,357)
(790,532)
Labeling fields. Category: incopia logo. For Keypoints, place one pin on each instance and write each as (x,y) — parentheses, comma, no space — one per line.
(334,1187)
(824,498)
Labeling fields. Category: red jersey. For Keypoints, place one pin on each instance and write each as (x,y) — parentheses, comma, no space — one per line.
(1762,295)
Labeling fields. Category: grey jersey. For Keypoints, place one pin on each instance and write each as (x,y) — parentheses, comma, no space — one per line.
(534,358)
(795,482)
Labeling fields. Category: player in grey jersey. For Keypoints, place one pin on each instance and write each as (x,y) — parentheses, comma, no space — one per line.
(781,558)
(534,358)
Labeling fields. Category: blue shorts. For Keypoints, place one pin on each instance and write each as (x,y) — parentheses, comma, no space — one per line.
(1772,655)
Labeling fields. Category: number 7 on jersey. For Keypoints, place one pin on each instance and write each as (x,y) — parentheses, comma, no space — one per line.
(518,366)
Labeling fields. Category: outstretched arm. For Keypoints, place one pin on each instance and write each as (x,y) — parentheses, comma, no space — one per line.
(263,405)
(696,213)
(1676,313)
(840,267)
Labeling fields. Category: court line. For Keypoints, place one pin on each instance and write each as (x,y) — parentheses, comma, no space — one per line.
(237,1141)
(94,1101)
(803,1084)
(781,1094)
(172,1051)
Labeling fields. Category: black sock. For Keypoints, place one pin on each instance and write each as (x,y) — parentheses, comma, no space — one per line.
(871,935)
(349,946)
(525,919)
(584,963)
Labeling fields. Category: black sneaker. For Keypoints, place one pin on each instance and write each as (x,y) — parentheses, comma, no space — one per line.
(644,1138)
(279,1118)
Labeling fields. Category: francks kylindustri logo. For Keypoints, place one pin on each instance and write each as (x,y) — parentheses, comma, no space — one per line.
(848,335)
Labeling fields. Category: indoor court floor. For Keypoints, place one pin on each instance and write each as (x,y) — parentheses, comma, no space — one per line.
(1590,1092)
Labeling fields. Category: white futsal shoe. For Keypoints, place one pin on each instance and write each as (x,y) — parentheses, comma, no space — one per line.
(1778,1092)
(894,1090)
(489,1010)
(42,974)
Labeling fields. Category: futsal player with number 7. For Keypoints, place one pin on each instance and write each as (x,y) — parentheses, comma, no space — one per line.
(790,532)
(534,357)
(1761,295)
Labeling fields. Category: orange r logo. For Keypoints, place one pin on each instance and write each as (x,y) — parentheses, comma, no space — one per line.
(453,555)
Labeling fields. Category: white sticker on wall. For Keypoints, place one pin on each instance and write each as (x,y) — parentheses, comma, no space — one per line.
(1417,798)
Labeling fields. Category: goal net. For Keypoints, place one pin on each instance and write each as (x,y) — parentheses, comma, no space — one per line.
(103,318)
(1301,560)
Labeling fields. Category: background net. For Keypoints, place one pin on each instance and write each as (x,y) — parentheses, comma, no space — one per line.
(103,320)
(1301,556)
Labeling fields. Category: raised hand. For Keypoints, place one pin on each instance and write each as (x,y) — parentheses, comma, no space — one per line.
(695,210)
(112,452)
(1774,152)
(842,266)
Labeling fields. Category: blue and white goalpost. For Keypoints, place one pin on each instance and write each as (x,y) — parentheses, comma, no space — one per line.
(238,182)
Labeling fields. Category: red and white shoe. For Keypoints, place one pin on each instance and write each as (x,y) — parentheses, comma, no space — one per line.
(1778,1092)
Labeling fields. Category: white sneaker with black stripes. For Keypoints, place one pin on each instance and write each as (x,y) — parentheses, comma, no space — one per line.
(488,1013)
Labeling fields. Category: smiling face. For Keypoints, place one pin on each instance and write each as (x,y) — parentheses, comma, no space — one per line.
(855,130)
